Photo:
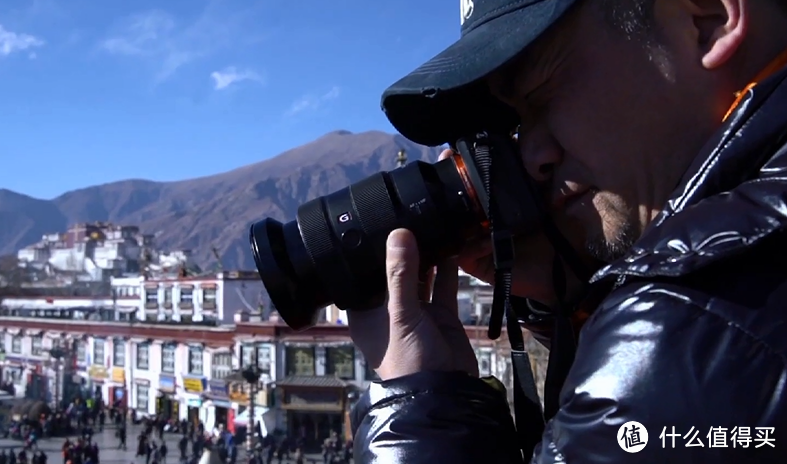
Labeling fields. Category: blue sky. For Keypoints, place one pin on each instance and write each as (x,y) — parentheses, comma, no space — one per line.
(97,91)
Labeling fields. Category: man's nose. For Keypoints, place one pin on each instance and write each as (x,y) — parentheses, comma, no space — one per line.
(540,152)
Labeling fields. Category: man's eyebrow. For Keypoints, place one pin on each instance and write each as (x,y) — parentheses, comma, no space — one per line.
(512,75)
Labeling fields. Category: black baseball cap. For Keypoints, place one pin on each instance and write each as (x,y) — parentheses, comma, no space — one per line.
(446,98)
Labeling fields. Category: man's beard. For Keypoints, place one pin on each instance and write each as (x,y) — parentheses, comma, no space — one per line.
(607,251)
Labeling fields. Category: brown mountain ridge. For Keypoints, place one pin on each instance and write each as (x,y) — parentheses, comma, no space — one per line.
(217,210)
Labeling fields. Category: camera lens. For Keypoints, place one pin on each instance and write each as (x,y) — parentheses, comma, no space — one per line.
(334,251)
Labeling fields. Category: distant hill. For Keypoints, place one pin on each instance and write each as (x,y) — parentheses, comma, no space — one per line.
(215,210)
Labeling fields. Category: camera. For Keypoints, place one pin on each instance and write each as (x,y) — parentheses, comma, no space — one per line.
(334,251)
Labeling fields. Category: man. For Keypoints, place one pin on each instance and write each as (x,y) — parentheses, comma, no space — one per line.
(121,435)
(664,165)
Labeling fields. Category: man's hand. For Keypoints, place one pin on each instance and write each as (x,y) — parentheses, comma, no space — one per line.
(417,330)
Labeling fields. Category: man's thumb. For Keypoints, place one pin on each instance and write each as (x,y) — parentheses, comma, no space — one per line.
(401,265)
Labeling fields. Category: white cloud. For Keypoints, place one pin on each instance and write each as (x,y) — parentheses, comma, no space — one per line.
(141,35)
(151,35)
(11,42)
(231,75)
(166,44)
(312,102)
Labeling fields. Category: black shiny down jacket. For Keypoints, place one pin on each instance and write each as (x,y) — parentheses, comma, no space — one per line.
(694,336)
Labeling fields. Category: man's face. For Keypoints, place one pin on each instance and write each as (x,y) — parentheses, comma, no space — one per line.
(609,123)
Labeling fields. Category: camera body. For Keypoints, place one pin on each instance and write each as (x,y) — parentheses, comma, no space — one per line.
(334,251)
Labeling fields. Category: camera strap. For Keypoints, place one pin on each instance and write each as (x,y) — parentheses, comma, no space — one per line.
(530,417)
(527,405)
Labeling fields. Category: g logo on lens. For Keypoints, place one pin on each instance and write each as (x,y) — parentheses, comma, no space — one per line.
(343,218)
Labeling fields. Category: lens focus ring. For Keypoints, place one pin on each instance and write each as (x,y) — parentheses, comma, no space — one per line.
(315,231)
(373,204)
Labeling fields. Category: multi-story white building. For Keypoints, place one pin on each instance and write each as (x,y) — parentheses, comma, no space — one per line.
(147,368)
(212,298)
(68,307)
(97,249)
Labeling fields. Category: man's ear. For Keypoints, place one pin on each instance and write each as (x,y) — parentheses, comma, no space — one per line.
(721,26)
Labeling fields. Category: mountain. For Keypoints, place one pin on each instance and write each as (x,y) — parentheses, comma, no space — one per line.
(216,210)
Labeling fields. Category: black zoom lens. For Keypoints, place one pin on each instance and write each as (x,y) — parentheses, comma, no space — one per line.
(334,252)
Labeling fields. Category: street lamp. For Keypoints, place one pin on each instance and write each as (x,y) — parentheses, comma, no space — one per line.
(252,375)
(57,354)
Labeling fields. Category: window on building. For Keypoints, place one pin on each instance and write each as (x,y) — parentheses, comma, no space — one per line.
(143,397)
(195,361)
(98,351)
(151,297)
(119,353)
(246,356)
(37,346)
(81,354)
(186,296)
(340,361)
(264,359)
(16,344)
(143,356)
(209,298)
(484,363)
(168,297)
(168,359)
(486,312)
(221,367)
(300,361)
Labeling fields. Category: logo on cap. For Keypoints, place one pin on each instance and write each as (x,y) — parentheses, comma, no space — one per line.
(465,9)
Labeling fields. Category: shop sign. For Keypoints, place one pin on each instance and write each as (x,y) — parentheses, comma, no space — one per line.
(194,403)
(166,383)
(194,384)
(219,388)
(239,397)
(119,375)
(98,372)
(239,393)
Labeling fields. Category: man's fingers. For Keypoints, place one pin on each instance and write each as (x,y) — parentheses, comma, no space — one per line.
(446,286)
(401,264)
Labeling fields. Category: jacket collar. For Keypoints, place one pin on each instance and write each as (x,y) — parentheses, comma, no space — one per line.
(731,197)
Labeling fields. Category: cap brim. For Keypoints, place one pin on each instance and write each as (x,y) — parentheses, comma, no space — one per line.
(446,98)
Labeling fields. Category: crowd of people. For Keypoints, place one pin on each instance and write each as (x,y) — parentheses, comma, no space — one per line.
(24,456)
(81,451)
(86,418)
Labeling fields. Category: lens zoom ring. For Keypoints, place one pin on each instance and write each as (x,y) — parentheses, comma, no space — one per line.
(314,230)
(373,204)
